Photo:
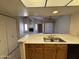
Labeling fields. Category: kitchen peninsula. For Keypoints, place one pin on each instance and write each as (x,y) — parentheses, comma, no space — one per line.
(33,46)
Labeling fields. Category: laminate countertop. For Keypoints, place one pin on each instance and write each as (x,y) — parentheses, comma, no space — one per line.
(38,39)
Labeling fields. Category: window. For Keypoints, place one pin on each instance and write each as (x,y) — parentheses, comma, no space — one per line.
(36,27)
(26,27)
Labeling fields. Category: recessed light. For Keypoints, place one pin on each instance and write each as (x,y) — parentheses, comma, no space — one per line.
(55,12)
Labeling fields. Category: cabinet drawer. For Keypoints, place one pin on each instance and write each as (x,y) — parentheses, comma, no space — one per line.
(34,46)
(61,46)
(50,46)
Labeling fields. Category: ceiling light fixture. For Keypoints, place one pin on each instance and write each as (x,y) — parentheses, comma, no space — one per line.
(45,3)
(55,12)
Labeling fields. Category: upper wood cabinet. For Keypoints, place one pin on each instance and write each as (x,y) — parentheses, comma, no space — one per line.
(45,51)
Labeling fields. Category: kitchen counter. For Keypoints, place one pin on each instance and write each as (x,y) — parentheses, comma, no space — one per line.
(38,39)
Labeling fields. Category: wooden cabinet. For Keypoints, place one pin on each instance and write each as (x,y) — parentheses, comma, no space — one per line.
(34,51)
(46,51)
(49,52)
(61,52)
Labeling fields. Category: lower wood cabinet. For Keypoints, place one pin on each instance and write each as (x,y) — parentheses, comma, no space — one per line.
(37,53)
(34,52)
(61,52)
(28,53)
(49,52)
(45,51)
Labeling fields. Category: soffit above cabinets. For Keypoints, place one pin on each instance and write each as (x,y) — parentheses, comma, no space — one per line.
(42,11)
(45,3)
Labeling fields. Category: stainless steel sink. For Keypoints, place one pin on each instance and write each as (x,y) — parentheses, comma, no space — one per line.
(55,39)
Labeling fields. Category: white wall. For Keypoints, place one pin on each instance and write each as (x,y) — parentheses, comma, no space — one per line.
(21,27)
(62,25)
(8,36)
(3,38)
(74,27)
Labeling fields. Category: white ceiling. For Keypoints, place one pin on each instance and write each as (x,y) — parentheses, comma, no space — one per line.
(16,8)
(41,3)
(11,7)
(50,3)
(74,3)
(34,3)
(57,2)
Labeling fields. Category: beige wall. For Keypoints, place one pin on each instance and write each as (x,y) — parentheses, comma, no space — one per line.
(8,37)
(74,26)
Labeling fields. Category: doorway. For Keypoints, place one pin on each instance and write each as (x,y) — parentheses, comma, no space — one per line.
(39,28)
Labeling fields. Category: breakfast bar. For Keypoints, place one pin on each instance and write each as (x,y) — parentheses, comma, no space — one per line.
(47,46)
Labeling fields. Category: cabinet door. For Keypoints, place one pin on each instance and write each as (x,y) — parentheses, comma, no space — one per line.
(3,40)
(11,34)
(49,52)
(61,51)
(34,52)
(37,53)
(28,52)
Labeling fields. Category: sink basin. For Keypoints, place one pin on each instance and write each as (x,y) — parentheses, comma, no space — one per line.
(56,39)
